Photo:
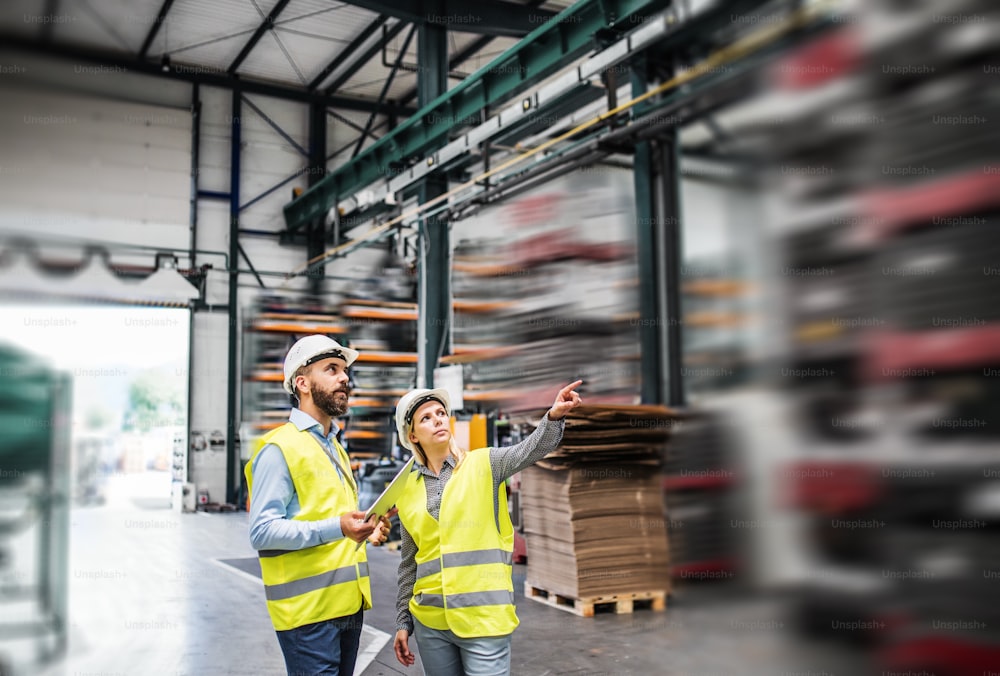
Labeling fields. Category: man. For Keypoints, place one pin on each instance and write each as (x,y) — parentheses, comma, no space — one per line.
(304,518)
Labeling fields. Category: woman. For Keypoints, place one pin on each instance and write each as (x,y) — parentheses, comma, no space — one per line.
(456,595)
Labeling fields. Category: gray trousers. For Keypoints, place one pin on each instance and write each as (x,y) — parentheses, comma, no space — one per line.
(442,653)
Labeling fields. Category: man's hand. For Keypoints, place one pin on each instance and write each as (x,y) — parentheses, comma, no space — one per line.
(355,527)
(565,401)
(402,647)
(381,533)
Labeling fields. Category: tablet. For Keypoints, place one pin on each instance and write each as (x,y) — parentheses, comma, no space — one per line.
(392,492)
(390,495)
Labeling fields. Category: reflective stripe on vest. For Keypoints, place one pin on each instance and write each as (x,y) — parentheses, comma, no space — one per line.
(287,590)
(483,598)
(464,565)
(468,599)
(457,559)
(318,583)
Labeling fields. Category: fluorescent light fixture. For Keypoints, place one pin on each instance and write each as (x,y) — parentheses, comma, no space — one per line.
(167,285)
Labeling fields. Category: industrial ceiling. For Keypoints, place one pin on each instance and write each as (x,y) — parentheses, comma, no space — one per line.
(341,49)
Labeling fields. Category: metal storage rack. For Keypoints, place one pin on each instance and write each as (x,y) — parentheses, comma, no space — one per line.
(385,369)
(274,324)
(905,342)
(384,332)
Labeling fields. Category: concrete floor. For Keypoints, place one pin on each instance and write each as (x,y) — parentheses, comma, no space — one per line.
(149,595)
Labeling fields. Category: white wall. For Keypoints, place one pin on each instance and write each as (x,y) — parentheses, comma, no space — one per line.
(89,167)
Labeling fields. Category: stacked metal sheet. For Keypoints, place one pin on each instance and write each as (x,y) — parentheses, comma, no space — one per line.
(593,509)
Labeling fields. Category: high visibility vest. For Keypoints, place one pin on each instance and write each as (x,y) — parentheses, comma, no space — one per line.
(464,562)
(318,583)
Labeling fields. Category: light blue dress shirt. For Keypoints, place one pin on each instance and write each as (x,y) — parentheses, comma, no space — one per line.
(273,501)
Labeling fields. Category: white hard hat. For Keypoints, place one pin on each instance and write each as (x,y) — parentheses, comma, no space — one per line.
(311,349)
(408,405)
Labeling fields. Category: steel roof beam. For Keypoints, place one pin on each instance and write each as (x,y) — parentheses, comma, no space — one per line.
(348,51)
(379,45)
(161,16)
(266,25)
(196,74)
(385,90)
(489,17)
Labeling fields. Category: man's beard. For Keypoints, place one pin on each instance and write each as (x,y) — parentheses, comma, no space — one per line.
(328,402)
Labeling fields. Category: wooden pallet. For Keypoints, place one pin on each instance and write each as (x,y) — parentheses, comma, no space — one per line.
(586,607)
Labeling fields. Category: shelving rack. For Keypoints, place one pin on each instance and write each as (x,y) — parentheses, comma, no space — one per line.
(381,374)
(893,316)
(384,332)
(524,323)
(273,325)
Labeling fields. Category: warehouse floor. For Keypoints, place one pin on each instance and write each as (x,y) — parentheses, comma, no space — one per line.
(154,591)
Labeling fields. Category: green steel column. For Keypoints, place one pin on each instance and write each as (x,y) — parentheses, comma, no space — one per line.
(647,246)
(670,201)
(435,268)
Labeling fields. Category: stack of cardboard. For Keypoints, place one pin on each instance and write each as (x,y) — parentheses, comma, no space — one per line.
(593,509)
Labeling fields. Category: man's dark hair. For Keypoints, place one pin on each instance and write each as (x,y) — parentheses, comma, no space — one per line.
(294,396)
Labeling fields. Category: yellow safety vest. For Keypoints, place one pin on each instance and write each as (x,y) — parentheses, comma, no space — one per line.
(463,561)
(318,583)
